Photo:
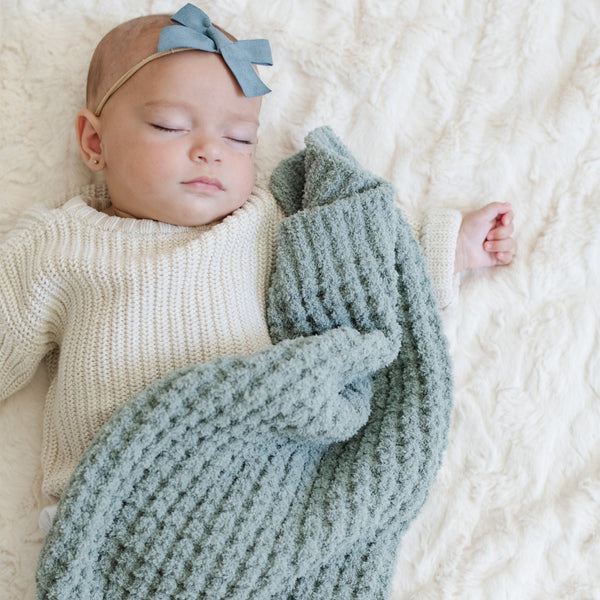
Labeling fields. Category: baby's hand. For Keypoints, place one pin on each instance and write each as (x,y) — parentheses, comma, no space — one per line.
(485,238)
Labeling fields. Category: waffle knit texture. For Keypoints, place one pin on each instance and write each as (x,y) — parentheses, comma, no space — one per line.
(292,472)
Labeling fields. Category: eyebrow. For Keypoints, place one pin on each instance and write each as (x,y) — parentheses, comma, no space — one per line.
(189,107)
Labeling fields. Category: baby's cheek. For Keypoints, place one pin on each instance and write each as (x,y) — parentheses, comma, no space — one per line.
(250,175)
(248,159)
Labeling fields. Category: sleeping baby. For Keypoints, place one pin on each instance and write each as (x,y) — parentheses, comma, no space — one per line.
(167,264)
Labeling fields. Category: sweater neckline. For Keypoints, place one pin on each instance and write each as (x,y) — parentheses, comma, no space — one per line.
(87,207)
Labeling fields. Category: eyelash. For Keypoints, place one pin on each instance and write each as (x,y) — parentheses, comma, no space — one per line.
(161,128)
(173,130)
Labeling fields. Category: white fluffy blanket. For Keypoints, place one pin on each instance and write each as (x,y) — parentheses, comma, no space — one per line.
(458,102)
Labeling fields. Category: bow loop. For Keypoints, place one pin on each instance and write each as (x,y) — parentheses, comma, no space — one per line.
(195,31)
(191,16)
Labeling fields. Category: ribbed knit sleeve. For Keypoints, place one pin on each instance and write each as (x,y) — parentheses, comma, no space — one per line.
(29,320)
(437,232)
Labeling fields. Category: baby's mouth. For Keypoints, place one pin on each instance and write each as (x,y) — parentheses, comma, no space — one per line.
(204,184)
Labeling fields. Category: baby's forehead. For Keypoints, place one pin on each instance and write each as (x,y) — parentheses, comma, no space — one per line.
(190,83)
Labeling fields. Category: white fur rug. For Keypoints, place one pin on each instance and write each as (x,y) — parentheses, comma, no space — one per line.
(458,102)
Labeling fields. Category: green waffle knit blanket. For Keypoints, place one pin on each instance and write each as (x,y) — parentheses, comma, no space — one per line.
(294,472)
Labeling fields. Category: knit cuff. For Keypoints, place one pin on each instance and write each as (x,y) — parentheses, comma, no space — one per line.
(439,236)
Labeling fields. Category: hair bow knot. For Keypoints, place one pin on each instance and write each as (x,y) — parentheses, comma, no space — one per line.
(195,31)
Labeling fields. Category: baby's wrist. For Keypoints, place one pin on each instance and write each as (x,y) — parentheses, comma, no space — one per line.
(460,259)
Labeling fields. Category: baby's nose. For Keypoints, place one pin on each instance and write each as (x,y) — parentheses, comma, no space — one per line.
(207,150)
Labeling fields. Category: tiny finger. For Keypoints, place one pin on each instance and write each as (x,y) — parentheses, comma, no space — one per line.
(500,233)
(504,258)
(508,217)
(495,210)
(504,245)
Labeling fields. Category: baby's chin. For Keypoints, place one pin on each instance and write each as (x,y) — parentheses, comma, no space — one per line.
(201,217)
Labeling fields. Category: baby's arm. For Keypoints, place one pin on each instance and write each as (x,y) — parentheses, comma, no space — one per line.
(452,243)
(485,238)
(25,333)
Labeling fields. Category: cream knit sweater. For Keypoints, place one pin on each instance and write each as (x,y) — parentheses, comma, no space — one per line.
(113,304)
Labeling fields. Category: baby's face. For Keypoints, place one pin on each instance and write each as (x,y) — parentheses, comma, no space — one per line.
(178,141)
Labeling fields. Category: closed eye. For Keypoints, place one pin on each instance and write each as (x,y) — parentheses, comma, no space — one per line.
(240,141)
(162,128)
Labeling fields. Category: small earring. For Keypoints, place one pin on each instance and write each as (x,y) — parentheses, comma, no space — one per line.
(96,161)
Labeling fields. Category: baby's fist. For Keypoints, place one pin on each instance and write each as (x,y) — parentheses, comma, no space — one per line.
(485,237)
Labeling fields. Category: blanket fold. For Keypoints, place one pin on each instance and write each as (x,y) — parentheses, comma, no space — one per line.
(294,472)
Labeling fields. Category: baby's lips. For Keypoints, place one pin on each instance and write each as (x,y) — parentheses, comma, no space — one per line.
(202,182)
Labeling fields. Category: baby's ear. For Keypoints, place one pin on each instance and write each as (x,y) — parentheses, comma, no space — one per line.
(88,129)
